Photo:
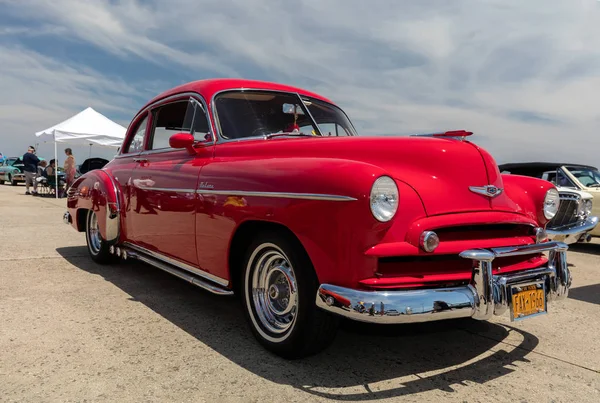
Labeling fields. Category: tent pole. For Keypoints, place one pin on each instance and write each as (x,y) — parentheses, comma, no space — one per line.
(55,167)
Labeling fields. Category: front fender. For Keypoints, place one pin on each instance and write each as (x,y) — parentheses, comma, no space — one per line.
(96,191)
(528,193)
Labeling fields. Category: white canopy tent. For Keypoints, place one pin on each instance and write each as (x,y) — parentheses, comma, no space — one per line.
(86,127)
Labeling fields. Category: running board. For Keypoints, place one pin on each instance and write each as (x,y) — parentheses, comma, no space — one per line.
(128,252)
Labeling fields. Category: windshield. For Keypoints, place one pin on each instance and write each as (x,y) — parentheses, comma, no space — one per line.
(242,114)
(587,177)
(10,161)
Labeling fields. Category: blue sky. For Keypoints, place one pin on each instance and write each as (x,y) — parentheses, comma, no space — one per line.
(523,75)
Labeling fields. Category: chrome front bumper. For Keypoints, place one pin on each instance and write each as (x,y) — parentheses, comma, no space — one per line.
(572,233)
(485,296)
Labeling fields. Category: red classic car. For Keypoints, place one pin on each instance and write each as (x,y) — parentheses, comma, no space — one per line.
(266,191)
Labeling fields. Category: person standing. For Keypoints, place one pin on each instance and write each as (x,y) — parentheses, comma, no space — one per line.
(30,163)
(69,167)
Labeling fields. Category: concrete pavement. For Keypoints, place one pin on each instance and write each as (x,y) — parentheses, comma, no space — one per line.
(71,330)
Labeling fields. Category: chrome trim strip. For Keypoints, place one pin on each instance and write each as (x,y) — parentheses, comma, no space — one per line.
(174,190)
(485,296)
(182,274)
(528,249)
(283,195)
(221,281)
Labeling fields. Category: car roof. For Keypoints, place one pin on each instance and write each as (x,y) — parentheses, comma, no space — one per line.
(209,87)
(540,166)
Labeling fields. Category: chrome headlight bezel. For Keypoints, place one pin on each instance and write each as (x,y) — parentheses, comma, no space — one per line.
(551,203)
(586,207)
(384,198)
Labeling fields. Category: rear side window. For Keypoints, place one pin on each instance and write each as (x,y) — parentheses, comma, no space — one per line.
(137,142)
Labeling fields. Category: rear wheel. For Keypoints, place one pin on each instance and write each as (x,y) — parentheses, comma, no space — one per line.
(1,182)
(98,248)
(278,294)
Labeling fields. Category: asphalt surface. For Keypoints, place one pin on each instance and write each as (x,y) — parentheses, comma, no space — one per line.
(71,330)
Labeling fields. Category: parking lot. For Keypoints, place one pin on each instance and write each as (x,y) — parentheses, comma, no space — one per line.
(71,330)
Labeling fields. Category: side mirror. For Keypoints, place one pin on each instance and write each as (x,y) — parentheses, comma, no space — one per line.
(182,140)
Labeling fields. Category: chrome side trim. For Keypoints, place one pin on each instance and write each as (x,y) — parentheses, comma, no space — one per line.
(183,266)
(174,190)
(485,296)
(283,195)
(207,285)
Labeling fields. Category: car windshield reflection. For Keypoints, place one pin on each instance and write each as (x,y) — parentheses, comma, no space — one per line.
(250,114)
(587,177)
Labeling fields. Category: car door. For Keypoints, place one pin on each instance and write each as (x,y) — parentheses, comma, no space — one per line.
(164,181)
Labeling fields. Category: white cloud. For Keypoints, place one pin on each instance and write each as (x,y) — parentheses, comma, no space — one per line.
(39,91)
(523,75)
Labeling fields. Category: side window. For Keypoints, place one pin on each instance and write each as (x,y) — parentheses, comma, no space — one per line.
(168,120)
(182,116)
(137,142)
(200,128)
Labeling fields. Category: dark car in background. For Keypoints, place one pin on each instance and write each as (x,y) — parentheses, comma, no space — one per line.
(90,164)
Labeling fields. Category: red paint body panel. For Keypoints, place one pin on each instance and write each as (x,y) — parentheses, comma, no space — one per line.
(189,206)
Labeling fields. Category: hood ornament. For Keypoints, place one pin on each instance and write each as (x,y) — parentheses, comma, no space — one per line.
(488,190)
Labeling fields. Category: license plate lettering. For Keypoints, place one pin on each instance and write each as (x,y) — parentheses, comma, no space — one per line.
(527,301)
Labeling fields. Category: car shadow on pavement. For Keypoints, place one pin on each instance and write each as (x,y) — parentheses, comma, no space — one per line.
(587,293)
(590,248)
(364,362)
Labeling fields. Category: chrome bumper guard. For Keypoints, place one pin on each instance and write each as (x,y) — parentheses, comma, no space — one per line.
(572,233)
(485,296)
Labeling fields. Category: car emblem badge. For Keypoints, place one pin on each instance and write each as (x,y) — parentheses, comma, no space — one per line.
(488,190)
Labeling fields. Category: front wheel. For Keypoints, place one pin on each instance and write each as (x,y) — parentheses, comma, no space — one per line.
(98,248)
(278,294)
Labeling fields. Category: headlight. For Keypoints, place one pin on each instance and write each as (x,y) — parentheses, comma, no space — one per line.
(551,203)
(587,207)
(384,198)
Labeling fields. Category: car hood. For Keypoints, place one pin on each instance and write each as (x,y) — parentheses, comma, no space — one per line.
(440,170)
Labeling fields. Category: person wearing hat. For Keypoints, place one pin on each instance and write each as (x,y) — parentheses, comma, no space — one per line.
(30,163)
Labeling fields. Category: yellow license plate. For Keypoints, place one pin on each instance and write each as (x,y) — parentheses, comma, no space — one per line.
(527,301)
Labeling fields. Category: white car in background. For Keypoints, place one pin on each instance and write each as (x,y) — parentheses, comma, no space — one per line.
(577,217)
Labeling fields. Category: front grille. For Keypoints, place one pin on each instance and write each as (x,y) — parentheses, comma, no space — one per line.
(567,212)
(441,270)
(483,231)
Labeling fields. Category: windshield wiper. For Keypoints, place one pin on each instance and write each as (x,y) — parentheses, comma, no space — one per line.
(281,134)
(595,185)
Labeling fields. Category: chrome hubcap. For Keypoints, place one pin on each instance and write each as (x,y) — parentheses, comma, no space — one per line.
(94,235)
(274,291)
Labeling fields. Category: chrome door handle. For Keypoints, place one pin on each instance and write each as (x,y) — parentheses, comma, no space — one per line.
(140,160)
